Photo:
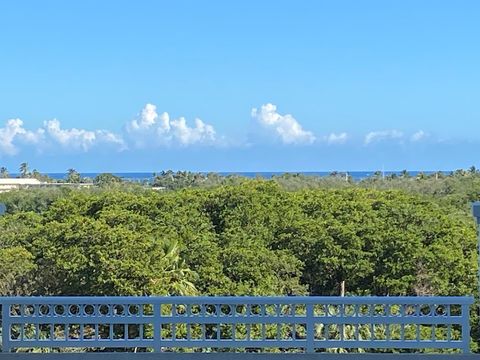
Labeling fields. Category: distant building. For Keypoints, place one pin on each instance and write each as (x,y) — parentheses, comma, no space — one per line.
(9,184)
(12,184)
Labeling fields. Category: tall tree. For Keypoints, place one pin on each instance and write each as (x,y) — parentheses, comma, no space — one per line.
(404,174)
(36,174)
(106,179)
(4,172)
(73,176)
(24,170)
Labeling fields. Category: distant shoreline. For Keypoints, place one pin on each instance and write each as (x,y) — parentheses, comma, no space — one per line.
(145,176)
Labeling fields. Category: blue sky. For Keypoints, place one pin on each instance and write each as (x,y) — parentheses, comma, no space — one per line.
(239,86)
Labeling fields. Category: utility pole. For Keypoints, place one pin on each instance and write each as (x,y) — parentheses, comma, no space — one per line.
(476,215)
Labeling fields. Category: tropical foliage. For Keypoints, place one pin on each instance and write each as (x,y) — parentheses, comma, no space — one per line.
(253,238)
(194,234)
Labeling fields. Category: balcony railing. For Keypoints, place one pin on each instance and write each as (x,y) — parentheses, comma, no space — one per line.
(302,324)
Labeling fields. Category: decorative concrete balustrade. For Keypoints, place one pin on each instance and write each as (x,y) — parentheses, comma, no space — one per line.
(304,324)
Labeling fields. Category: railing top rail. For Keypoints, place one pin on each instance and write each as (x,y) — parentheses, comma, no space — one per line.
(460,300)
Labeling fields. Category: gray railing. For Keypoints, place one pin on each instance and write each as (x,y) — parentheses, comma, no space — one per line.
(308,324)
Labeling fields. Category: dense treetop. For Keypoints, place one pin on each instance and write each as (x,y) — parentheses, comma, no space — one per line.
(255,237)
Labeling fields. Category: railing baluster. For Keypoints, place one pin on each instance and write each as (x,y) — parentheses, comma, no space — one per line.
(465,328)
(6,327)
(157,327)
(310,328)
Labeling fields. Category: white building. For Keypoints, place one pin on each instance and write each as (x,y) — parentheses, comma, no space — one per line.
(24,183)
(12,184)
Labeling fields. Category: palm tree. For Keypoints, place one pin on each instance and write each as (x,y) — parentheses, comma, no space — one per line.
(24,170)
(36,174)
(3,172)
(73,176)
(174,279)
(404,174)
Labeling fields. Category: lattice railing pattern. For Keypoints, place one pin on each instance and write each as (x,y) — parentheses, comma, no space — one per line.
(307,324)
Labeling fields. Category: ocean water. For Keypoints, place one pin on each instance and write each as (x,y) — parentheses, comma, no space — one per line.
(146,176)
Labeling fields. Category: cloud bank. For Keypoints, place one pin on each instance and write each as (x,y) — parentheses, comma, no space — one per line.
(13,135)
(79,139)
(151,129)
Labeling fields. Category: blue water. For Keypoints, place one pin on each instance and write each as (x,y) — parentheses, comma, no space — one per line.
(147,176)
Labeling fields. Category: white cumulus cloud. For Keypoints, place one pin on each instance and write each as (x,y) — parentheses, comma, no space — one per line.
(201,133)
(375,136)
(13,133)
(152,129)
(285,127)
(80,138)
(149,118)
(334,138)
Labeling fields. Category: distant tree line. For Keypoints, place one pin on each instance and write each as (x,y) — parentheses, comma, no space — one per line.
(457,187)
